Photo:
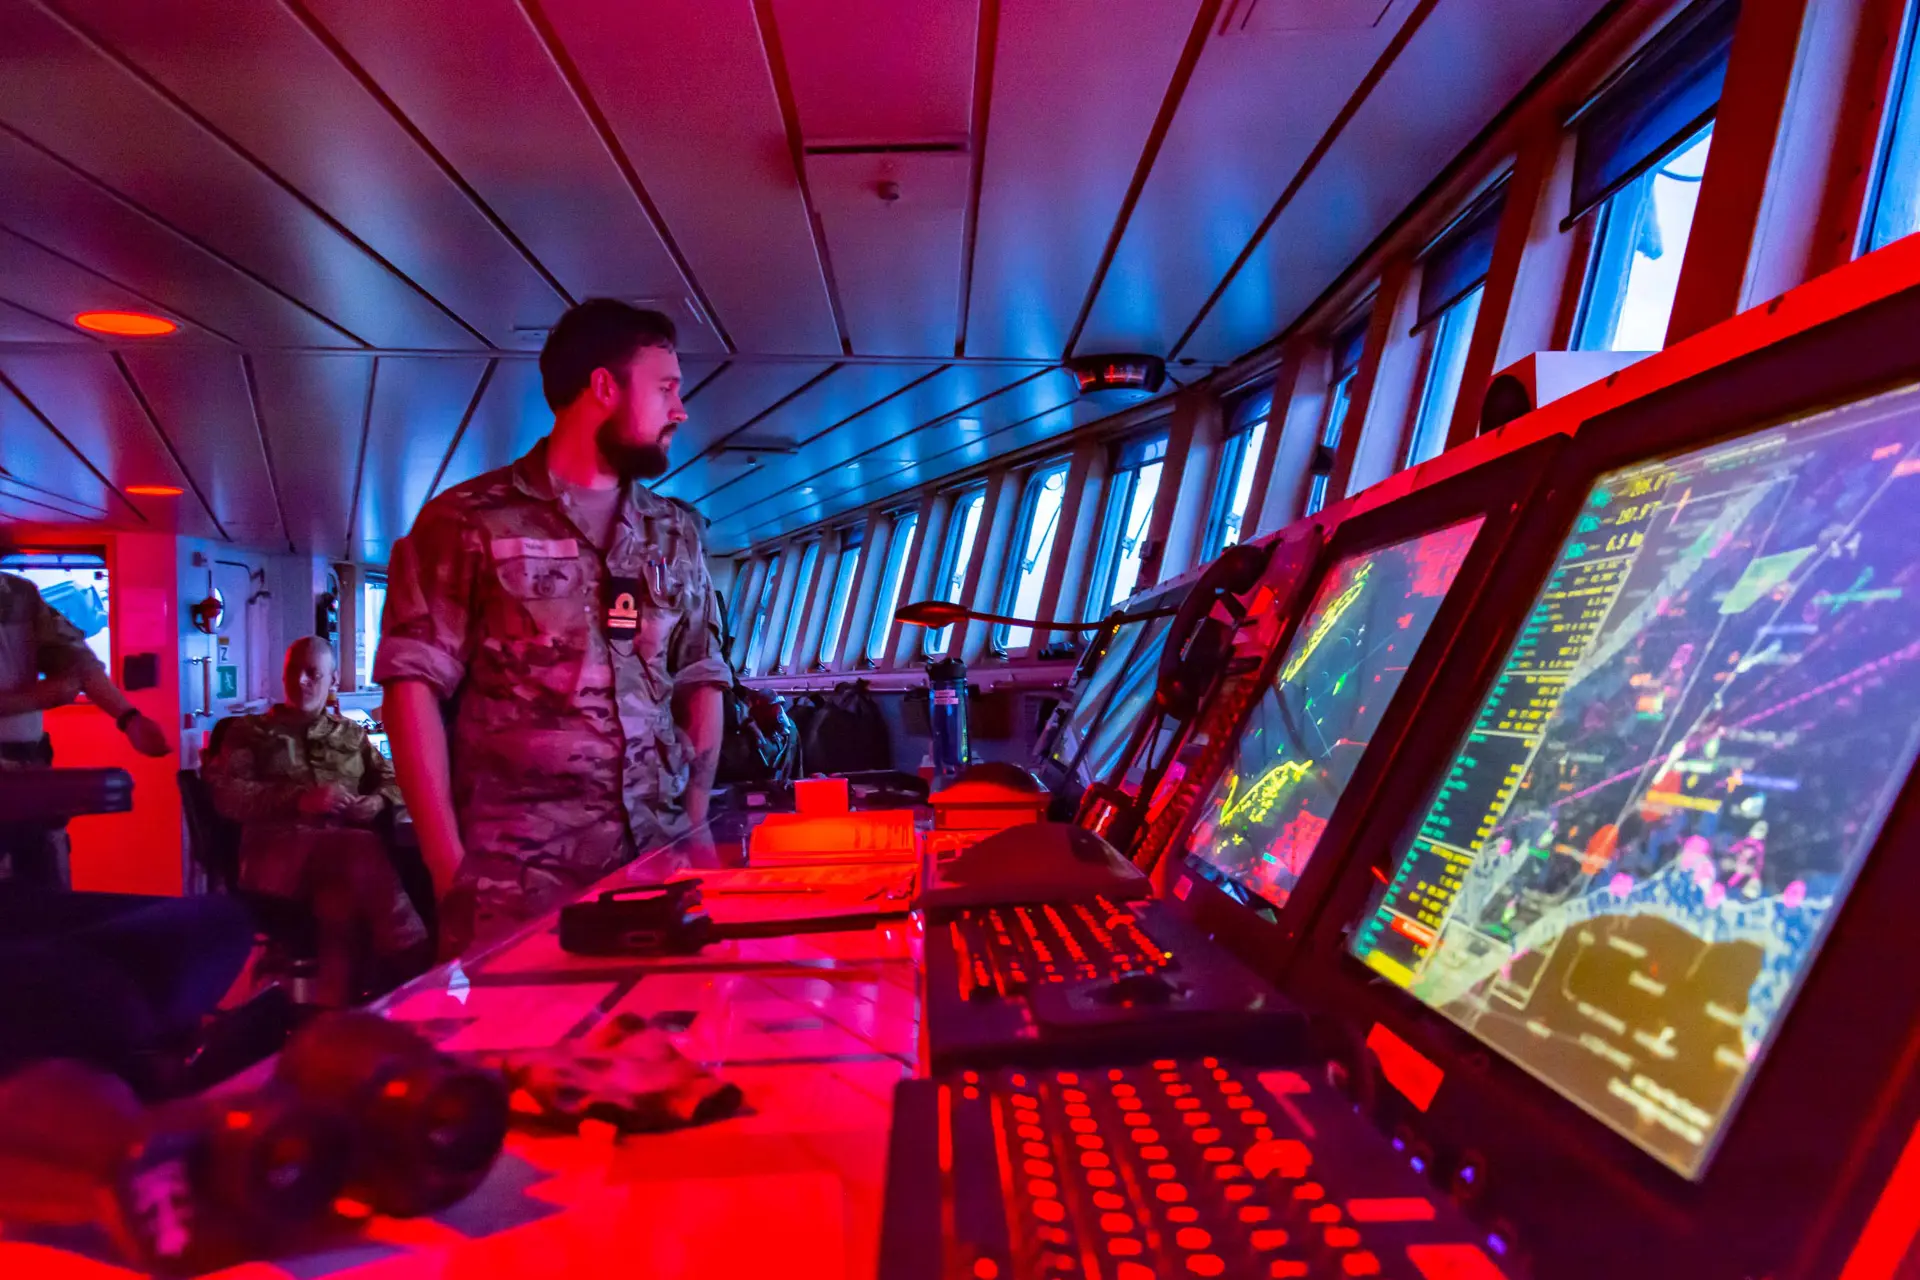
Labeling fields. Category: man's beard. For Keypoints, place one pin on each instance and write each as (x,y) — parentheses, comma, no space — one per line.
(630,461)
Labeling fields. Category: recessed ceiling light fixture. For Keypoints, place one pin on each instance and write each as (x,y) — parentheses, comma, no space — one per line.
(125,324)
(155,490)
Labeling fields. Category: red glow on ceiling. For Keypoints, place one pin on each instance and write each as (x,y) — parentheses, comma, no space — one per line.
(155,490)
(125,324)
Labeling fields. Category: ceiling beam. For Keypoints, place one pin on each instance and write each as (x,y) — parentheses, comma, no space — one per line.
(1197,37)
(34,409)
(360,460)
(166,441)
(459,432)
(139,75)
(985,52)
(266,449)
(1375,74)
(351,65)
(583,97)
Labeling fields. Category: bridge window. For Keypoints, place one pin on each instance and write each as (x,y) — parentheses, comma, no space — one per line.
(1233,480)
(1895,211)
(75,585)
(1349,347)
(762,611)
(899,548)
(843,574)
(797,607)
(1033,534)
(1134,485)
(1453,276)
(963,529)
(1641,150)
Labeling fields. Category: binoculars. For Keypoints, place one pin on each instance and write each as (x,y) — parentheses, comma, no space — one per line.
(359,1109)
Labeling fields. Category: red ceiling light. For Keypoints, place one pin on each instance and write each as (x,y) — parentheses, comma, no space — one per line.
(155,490)
(125,324)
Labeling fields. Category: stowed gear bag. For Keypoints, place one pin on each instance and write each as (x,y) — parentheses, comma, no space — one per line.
(759,737)
(847,733)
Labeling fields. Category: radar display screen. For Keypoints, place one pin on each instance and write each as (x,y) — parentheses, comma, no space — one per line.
(1124,674)
(1303,741)
(1632,857)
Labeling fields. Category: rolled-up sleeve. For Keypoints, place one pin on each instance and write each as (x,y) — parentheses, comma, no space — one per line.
(696,658)
(426,630)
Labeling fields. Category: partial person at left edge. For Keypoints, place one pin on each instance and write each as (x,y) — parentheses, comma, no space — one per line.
(45,663)
(550,650)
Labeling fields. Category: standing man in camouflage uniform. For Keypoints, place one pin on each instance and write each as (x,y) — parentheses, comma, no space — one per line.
(45,663)
(550,649)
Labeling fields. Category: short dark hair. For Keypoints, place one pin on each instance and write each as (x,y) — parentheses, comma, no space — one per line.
(600,333)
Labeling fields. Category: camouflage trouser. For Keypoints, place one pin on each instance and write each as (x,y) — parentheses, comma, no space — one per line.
(496,893)
(346,875)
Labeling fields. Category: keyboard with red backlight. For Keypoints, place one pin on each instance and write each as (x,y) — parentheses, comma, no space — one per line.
(1168,1170)
(1094,980)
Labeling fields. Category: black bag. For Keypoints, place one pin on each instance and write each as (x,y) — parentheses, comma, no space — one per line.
(758,740)
(848,733)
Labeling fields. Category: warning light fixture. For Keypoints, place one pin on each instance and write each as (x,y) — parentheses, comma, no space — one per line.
(155,490)
(125,324)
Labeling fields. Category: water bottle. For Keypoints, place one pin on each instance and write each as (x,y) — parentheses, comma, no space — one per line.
(947,714)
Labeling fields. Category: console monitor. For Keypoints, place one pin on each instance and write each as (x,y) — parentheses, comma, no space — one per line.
(1325,700)
(1633,856)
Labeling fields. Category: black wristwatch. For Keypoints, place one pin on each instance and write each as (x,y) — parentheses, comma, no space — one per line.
(126,718)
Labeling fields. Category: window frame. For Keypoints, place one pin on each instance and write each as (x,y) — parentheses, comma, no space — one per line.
(1455,324)
(846,569)
(1131,455)
(1612,252)
(951,569)
(760,621)
(369,628)
(902,531)
(1900,89)
(1347,351)
(791,626)
(98,559)
(1017,567)
(1239,458)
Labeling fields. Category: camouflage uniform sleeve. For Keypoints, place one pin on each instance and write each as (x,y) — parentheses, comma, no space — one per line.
(696,658)
(59,648)
(426,631)
(233,776)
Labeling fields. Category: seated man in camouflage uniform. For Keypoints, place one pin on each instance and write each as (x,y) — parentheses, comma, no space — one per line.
(307,786)
(550,650)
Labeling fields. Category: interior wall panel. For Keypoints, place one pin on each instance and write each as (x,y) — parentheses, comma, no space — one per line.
(449,64)
(75,218)
(688,93)
(87,399)
(417,406)
(1076,86)
(268,84)
(312,408)
(35,456)
(852,390)
(509,418)
(93,113)
(61,289)
(200,397)
(1257,104)
(1466,62)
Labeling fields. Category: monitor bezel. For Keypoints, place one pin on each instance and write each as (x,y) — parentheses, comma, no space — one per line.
(1840,1038)
(1066,780)
(1267,938)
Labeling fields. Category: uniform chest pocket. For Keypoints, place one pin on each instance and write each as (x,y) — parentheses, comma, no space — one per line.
(541,577)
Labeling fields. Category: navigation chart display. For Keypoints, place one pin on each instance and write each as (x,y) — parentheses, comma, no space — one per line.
(1299,750)
(1691,746)
(1110,701)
